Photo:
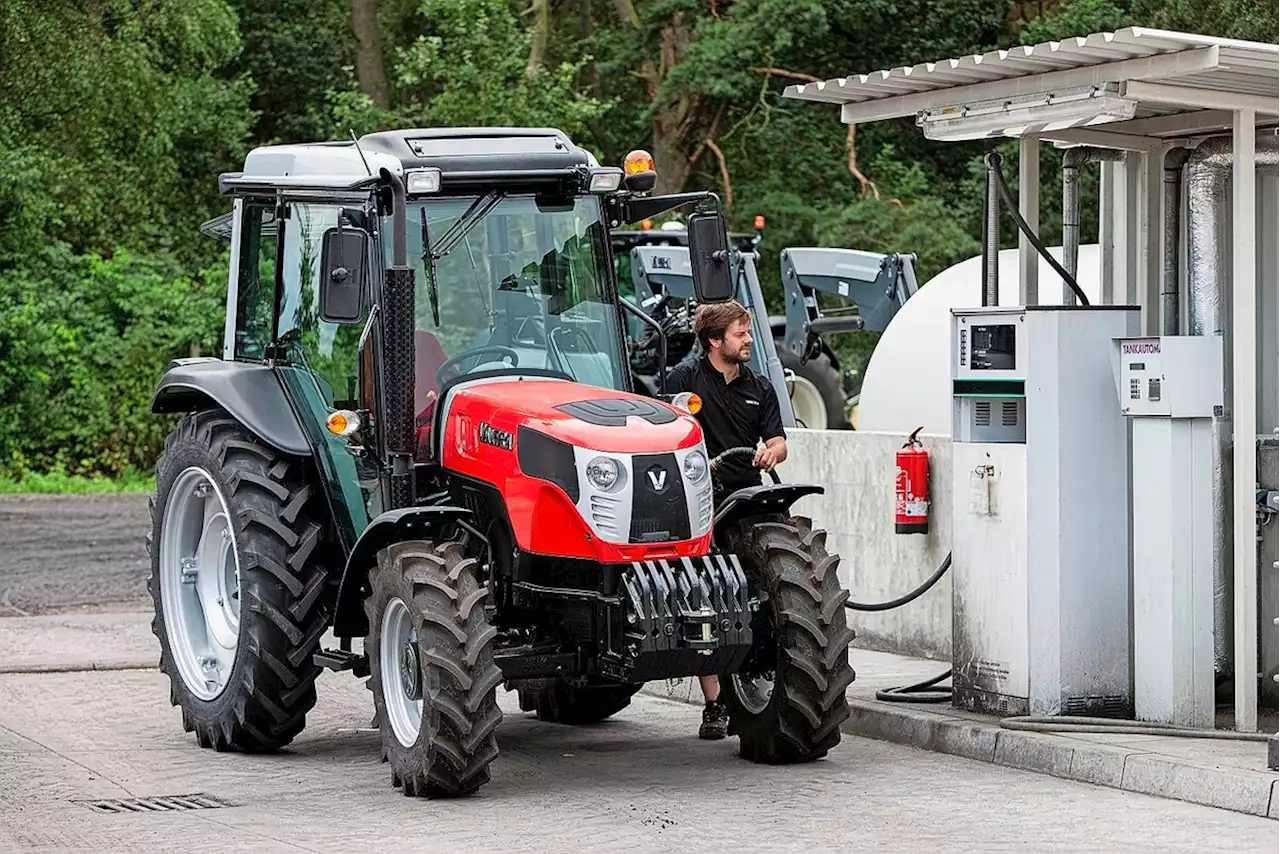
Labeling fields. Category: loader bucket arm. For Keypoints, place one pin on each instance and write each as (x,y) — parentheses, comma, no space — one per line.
(876,284)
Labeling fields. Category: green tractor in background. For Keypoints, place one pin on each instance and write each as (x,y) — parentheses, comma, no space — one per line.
(654,274)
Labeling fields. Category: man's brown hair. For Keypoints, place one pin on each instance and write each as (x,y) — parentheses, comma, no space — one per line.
(714,319)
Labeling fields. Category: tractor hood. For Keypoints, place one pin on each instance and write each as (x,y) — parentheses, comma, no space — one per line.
(586,416)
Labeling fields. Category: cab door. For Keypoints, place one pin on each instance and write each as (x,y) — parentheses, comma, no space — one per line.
(325,364)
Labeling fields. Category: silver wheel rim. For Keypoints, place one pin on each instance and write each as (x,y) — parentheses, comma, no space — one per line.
(200,583)
(808,405)
(401,672)
(754,691)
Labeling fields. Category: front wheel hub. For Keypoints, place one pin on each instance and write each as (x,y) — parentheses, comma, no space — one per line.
(410,671)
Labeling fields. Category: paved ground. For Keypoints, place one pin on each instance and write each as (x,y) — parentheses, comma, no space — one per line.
(641,782)
(72,553)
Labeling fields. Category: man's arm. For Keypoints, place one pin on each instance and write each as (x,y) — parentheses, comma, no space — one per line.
(771,430)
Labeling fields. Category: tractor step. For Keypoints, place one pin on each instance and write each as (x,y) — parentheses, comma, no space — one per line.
(338,659)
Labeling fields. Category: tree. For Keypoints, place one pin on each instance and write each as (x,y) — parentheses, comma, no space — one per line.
(369,67)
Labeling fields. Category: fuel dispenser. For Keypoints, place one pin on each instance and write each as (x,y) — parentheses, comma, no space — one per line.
(1041,586)
(1171,389)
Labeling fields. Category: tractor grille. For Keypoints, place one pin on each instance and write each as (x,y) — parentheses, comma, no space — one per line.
(604,513)
(659,512)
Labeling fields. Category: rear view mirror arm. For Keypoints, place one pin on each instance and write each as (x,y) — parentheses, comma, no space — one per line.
(637,209)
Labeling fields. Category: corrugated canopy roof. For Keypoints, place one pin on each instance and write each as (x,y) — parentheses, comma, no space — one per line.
(1166,72)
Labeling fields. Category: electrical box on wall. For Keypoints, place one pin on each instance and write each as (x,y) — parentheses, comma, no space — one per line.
(1040,531)
(1176,376)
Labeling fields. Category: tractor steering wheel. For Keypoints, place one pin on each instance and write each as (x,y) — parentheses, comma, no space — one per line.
(506,352)
(733,452)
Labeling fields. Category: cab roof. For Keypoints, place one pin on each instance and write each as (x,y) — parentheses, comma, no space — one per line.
(461,154)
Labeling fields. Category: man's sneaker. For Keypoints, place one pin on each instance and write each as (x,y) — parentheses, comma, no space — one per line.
(715,721)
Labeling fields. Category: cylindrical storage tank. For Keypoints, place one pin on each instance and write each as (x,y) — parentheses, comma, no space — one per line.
(908,380)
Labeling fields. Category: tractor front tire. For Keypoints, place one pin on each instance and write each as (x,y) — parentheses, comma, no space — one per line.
(563,703)
(801,639)
(237,583)
(432,668)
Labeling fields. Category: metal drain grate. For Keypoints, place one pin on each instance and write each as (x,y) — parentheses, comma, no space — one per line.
(164,803)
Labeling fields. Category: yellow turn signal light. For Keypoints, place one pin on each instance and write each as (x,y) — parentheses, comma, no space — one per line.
(647,225)
(688,401)
(638,161)
(343,422)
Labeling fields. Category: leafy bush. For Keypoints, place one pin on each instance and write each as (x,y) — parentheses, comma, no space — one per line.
(86,339)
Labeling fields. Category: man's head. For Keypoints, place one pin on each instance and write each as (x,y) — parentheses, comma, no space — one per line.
(724,329)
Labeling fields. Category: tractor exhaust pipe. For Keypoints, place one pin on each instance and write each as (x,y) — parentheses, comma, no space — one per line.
(399,313)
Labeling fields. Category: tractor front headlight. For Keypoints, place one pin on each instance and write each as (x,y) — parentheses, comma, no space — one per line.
(695,467)
(603,472)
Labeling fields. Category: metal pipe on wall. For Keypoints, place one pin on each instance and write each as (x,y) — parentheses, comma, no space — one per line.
(1072,160)
(1171,321)
(1208,174)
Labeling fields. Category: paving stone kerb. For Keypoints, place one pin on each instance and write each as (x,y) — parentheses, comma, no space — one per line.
(1115,766)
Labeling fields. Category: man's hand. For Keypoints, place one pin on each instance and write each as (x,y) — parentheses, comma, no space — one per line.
(773,452)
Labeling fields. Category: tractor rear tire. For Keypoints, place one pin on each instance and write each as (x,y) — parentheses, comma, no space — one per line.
(234,521)
(801,636)
(563,703)
(816,378)
(432,668)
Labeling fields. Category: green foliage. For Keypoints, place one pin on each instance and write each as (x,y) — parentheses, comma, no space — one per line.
(86,339)
(116,116)
(113,118)
(60,483)
(469,69)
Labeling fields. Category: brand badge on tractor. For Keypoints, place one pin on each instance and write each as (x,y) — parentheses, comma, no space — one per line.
(657,478)
(498,438)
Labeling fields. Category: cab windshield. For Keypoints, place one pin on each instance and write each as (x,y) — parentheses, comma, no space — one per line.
(518,282)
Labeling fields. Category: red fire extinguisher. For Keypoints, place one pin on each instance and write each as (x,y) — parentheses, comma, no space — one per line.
(911,488)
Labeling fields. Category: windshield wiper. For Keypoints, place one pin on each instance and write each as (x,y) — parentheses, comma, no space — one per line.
(479,209)
(429,262)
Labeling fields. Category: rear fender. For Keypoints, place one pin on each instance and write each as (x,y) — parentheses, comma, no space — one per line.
(251,393)
(763,499)
(406,523)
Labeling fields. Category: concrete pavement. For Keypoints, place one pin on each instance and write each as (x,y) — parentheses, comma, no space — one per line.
(1226,774)
(640,782)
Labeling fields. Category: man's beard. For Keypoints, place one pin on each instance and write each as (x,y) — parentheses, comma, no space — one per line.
(742,356)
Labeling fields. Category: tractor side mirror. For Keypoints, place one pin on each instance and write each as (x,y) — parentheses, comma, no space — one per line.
(343,272)
(709,258)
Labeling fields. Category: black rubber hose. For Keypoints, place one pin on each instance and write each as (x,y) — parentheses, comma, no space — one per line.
(918,693)
(733,452)
(993,160)
(906,597)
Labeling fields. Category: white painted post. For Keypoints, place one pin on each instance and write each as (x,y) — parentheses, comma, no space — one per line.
(1107,215)
(233,283)
(1132,223)
(1244,416)
(1029,207)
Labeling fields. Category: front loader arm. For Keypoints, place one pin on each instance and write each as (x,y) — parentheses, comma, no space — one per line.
(876,284)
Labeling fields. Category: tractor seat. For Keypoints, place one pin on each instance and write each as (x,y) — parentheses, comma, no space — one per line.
(428,356)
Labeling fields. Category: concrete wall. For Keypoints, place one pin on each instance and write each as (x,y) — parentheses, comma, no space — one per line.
(857,469)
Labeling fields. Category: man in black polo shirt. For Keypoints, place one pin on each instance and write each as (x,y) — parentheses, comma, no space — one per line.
(739,408)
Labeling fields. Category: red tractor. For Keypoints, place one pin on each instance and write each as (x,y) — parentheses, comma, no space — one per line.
(422,437)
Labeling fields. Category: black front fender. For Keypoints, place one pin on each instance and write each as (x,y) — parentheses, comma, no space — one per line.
(771,498)
(251,393)
(406,523)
